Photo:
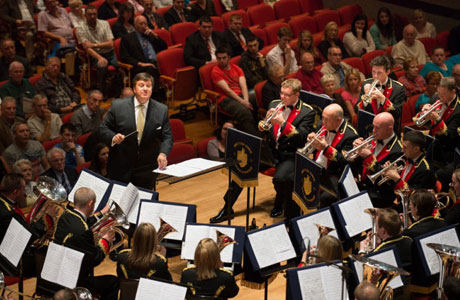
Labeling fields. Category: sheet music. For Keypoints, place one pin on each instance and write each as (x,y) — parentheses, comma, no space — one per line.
(98,185)
(387,257)
(271,246)
(356,220)
(62,265)
(14,242)
(309,230)
(163,290)
(349,183)
(448,237)
(117,194)
(174,215)
(189,167)
(129,196)
(321,283)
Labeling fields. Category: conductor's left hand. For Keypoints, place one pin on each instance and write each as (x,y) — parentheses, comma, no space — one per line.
(162,161)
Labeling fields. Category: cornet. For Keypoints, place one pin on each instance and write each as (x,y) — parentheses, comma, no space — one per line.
(353,153)
(384,179)
(265,124)
(367,97)
(308,149)
(422,119)
(111,221)
(224,240)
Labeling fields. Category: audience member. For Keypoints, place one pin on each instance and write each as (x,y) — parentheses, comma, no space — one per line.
(24,167)
(60,90)
(350,93)
(200,46)
(216,147)
(125,22)
(424,28)
(328,84)
(177,13)
(409,46)
(305,44)
(438,63)
(4,168)
(88,117)
(271,90)
(331,39)
(19,88)
(282,52)
(412,80)
(55,23)
(7,114)
(456,76)
(100,159)
(336,67)
(65,175)
(162,3)
(9,55)
(127,92)
(154,20)
(383,31)
(108,10)
(24,147)
(77,15)
(229,5)
(74,154)
(432,79)
(366,291)
(358,40)
(237,36)
(253,63)
(202,8)
(43,124)
(308,75)
(137,5)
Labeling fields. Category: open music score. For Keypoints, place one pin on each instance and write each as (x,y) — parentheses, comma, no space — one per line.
(14,242)
(348,183)
(353,215)
(189,167)
(93,181)
(308,229)
(162,290)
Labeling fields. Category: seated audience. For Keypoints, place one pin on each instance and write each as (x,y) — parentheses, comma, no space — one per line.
(409,46)
(253,63)
(88,117)
(67,176)
(144,258)
(8,50)
(43,124)
(202,8)
(74,154)
(229,5)
(328,84)
(154,20)
(207,277)
(424,28)
(308,75)
(77,15)
(55,24)
(271,90)
(108,10)
(282,52)
(366,291)
(351,91)
(305,44)
(7,119)
(125,22)
(216,147)
(58,88)
(336,67)
(358,40)
(432,79)
(4,168)
(24,167)
(383,31)
(24,147)
(438,63)
(331,39)
(137,5)
(177,13)
(237,36)
(162,3)
(99,159)
(412,80)
(456,76)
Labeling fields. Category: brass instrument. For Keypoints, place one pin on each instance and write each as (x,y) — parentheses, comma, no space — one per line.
(422,119)
(373,213)
(353,153)
(224,240)
(449,263)
(82,293)
(308,149)
(165,229)
(380,274)
(322,231)
(265,124)
(444,200)
(458,130)
(367,97)
(111,221)
(404,195)
(384,179)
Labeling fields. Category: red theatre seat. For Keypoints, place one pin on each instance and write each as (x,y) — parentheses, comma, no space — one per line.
(325,17)
(261,14)
(202,146)
(180,31)
(285,9)
(356,63)
(180,153)
(302,22)
(271,32)
(348,12)
(309,6)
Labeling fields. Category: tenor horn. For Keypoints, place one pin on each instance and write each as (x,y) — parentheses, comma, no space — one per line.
(449,263)
(265,124)
(164,230)
(224,240)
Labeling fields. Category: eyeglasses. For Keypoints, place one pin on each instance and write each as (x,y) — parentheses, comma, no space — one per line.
(336,54)
(286,95)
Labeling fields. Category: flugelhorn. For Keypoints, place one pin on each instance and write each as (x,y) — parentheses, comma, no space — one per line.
(422,119)
(164,230)
(265,124)
(449,263)
(353,153)
(373,178)
(224,240)
(308,149)
(367,97)
(373,242)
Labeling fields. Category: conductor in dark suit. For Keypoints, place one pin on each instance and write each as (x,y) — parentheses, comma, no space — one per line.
(177,13)
(133,158)
(200,47)
(236,35)
(64,175)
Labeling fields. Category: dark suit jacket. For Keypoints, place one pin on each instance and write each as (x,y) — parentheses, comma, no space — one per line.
(105,12)
(131,49)
(9,10)
(197,12)
(118,30)
(453,214)
(270,92)
(234,43)
(72,175)
(161,23)
(196,51)
(129,157)
(172,17)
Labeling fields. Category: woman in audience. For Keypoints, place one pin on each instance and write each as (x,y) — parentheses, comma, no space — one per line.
(144,259)
(202,8)
(328,83)
(329,249)
(137,6)
(216,148)
(125,21)
(432,80)
(99,160)
(24,167)
(305,44)
(383,32)
(77,15)
(331,39)
(412,80)
(207,277)
(424,28)
(350,93)
(358,40)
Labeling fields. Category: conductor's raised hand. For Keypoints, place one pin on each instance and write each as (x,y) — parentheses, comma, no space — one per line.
(118,139)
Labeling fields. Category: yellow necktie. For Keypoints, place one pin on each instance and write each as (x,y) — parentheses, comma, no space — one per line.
(140,122)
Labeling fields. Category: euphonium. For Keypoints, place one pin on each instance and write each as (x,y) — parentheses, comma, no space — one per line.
(164,230)
(373,243)
(265,124)
(384,179)
(224,240)
(353,153)
(449,263)
(421,120)
(308,149)
(367,97)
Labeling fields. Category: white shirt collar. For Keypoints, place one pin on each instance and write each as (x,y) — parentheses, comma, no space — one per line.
(136,103)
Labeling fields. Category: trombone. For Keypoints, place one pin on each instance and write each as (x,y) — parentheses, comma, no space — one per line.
(367,97)
(353,153)
(422,119)
(380,173)
(265,124)
(308,149)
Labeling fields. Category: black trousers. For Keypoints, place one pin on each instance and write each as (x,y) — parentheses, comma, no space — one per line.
(283,181)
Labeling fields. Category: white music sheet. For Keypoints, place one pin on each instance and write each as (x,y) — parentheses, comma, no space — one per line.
(447,237)
(195,233)
(349,183)
(189,167)
(156,290)
(117,194)
(353,213)
(14,242)
(271,245)
(387,257)
(321,283)
(98,185)
(174,215)
(62,265)
(309,230)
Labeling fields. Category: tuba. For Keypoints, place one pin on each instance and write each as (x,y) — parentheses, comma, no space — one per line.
(224,240)
(265,124)
(380,274)
(165,229)
(449,263)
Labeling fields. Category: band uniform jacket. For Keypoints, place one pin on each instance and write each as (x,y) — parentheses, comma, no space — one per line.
(234,43)
(403,245)
(395,94)
(223,285)
(453,213)
(419,176)
(158,269)
(196,51)
(129,156)
(131,49)
(293,133)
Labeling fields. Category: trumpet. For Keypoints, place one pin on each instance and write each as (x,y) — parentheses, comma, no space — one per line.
(308,149)
(165,229)
(224,240)
(380,173)
(367,97)
(422,119)
(353,153)
(265,124)
(373,244)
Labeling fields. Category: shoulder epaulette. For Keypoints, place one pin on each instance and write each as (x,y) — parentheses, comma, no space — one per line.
(161,257)
(395,81)
(226,270)
(189,267)
(427,165)
(352,128)
(124,251)
(307,105)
